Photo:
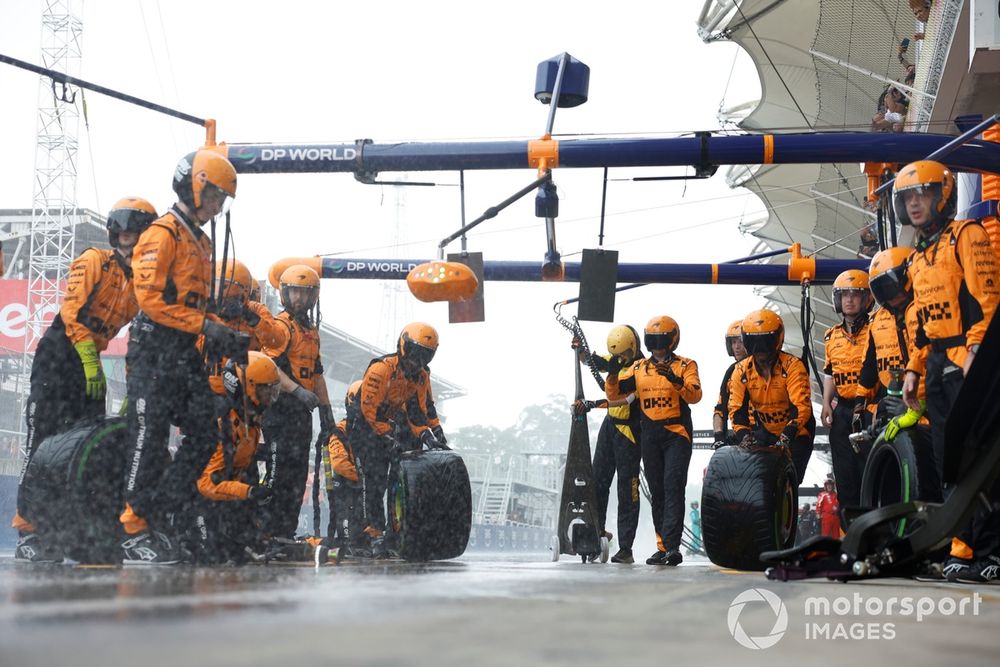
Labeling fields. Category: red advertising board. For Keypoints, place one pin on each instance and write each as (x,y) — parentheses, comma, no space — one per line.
(14,321)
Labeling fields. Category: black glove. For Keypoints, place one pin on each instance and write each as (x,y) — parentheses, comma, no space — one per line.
(225,342)
(260,494)
(390,444)
(789,432)
(428,440)
(581,407)
(664,369)
(309,399)
(229,309)
(250,316)
(615,364)
(439,434)
(893,405)
(326,422)
(720,440)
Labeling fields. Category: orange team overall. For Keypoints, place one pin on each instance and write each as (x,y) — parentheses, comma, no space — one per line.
(395,410)
(888,350)
(720,416)
(67,379)
(346,528)
(844,345)
(288,425)
(956,288)
(239,311)
(226,511)
(167,378)
(769,391)
(665,385)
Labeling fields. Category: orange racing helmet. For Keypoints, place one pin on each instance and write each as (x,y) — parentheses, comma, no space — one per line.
(129,214)
(852,280)
(662,333)
(196,172)
(733,333)
(763,331)
(888,276)
(418,341)
(932,177)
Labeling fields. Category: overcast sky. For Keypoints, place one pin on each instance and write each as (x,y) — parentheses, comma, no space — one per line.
(336,72)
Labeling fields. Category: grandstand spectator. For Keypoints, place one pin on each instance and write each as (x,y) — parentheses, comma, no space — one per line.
(921,9)
(9,447)
(909,69)
(892,108)
(869,239)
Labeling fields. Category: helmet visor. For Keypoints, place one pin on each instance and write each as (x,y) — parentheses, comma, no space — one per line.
(659,341)
(215,199)
(419,354)
(886,286)
(932,192)
(840,292)
(730,341)
(230,307)
(761,343)
(266,393)
(300,299)
(129,220)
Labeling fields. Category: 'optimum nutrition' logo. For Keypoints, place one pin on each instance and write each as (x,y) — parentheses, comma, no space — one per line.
(776,606)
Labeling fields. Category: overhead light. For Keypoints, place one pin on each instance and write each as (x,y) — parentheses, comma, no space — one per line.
(574,86)
(553,269)
(442,281)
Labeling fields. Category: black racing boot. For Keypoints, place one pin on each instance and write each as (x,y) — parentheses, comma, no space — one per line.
(153,548)
(983,571)
(623,556)
(31,548)
(379,550)
(673,558)
(659,558)
(955,567)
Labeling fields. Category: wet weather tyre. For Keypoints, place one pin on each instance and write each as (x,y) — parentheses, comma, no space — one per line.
(432,505)
(892,474)
(749,505)
(73,489)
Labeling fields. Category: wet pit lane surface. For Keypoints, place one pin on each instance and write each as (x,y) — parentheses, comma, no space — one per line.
(477,610)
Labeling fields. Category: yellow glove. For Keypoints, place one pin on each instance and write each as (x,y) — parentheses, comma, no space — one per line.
(906,420)
(96,384)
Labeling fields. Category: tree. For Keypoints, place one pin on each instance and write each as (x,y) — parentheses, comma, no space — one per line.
(540,429)
(477,438)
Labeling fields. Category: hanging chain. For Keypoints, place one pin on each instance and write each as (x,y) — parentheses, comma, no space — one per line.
(577,331)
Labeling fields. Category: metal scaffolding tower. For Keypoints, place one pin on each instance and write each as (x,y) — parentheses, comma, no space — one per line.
(54,213)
